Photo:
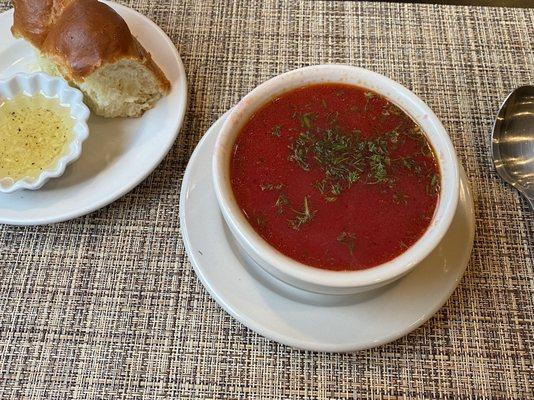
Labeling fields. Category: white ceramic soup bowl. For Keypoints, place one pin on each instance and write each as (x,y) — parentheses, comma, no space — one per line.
(314,279)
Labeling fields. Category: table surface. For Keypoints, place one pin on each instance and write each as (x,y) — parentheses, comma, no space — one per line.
(107,306)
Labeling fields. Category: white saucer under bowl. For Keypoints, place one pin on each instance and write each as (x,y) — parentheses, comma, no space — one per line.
(302,319)
(118,154)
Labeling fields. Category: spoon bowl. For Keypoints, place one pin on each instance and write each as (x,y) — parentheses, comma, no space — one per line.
(513,141)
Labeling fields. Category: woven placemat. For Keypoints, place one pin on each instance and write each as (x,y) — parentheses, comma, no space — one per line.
(107,306)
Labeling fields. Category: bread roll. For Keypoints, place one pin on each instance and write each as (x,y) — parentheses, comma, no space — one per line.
(90,45)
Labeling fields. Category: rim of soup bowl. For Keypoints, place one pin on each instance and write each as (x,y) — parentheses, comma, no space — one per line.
(394,92)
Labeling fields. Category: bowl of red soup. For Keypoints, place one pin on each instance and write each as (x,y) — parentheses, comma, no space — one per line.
(335,179)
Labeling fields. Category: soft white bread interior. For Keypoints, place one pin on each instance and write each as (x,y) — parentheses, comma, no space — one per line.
(124,88)
(89,44)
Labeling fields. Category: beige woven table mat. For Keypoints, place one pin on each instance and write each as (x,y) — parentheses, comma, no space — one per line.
(107,306)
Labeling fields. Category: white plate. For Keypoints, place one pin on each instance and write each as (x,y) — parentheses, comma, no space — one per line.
(119,152)
(301,319)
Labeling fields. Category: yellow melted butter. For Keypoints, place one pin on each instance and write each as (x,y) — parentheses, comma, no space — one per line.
(34,133)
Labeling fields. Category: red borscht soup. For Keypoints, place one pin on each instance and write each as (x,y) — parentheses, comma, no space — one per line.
(335,176)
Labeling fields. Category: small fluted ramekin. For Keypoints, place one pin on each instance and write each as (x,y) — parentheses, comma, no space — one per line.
(50,87)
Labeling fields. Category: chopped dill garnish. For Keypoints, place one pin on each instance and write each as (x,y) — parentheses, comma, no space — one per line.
(277,131)
(336,155)
(426,151)
(426,218)
(433,186)
(393,109)
(347,239)
(334,119)
(368,97)
(281,202)
(377,162)
(302,217)
(260,221)
(346,158)
(416,133)
(320,185)
(409,163)
(400,198)
(300,148)
(270,186)
(306,120)
(335,189)
(339,158)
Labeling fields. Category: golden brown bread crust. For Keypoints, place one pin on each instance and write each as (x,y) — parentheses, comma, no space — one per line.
(80,36)
(33,18)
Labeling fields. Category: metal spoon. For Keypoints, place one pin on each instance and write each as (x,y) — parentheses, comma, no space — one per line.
(513,141)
